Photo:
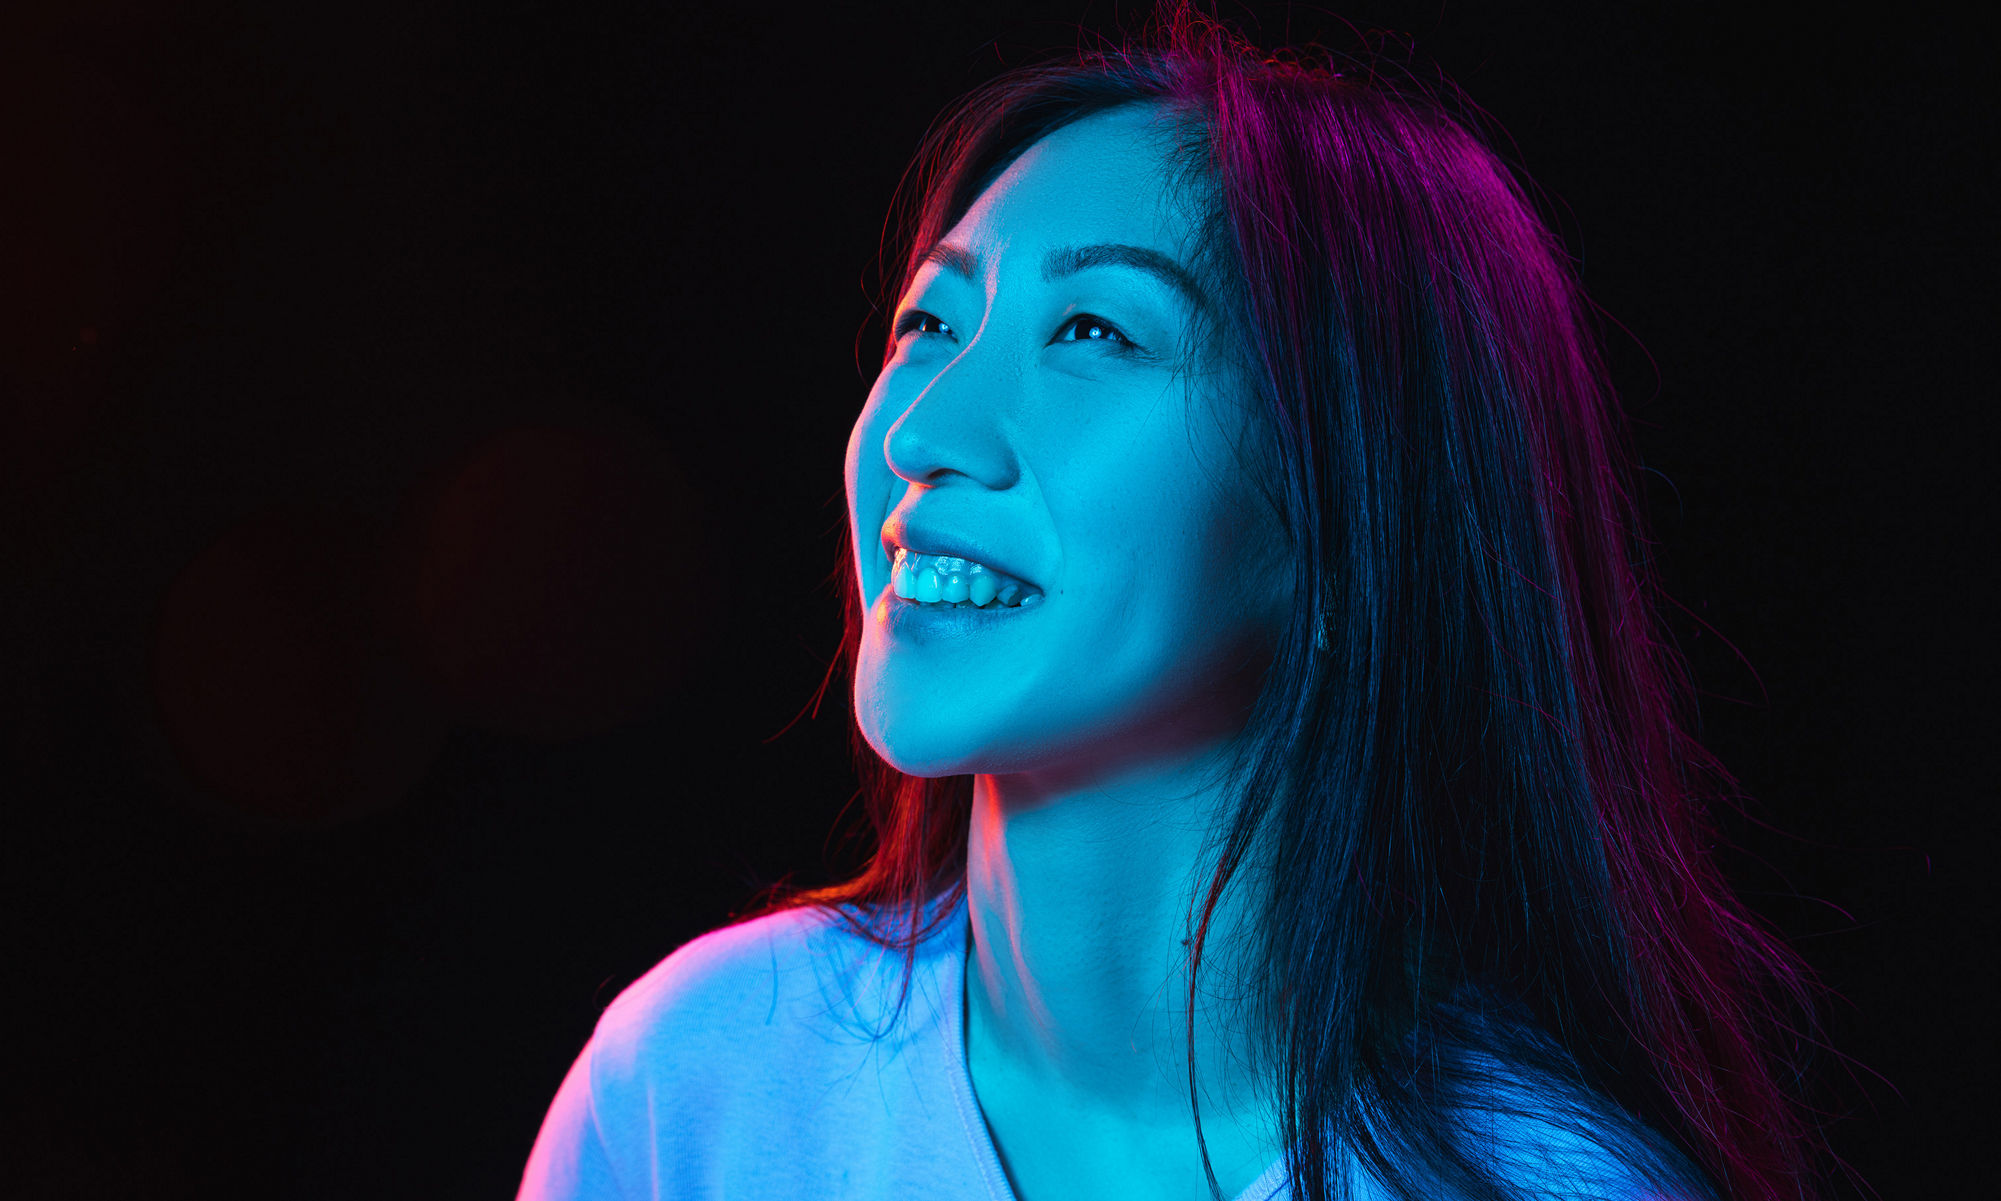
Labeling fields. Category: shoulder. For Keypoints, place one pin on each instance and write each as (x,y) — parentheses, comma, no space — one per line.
(669,1053)
(1551,1139)
(786,985)
(1515,1099)
(721,985)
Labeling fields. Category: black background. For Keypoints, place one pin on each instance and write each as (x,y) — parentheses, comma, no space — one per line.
(273,272)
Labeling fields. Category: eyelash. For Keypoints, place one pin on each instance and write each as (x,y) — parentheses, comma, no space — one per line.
(912,321)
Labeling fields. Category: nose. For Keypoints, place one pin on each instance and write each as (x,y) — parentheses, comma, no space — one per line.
(958,424)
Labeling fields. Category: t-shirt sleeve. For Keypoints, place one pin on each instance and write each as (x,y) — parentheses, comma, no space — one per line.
(658,1104)
(569,1161)
(729,1072)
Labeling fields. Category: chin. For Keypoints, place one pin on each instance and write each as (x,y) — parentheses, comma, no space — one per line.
(917,755)
(920,732)
(915,748)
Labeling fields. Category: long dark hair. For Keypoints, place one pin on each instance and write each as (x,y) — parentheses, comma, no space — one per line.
(1488,828)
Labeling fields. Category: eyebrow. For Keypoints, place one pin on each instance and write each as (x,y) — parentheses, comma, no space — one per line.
(1069,260)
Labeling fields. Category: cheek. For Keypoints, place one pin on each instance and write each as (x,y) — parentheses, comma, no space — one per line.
(1247,562)
(1267,582)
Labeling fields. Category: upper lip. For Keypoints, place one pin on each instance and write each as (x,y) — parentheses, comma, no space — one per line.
(919,537)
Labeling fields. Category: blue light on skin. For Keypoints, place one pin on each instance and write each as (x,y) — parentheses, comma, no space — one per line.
(1060,407)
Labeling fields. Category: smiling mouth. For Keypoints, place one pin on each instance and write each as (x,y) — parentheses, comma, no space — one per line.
(943,581)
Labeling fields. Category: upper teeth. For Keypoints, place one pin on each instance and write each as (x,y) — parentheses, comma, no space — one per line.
(946,578)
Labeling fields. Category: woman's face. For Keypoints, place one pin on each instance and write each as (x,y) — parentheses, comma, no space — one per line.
(1049,411)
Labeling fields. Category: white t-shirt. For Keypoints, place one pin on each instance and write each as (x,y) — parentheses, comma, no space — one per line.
(742,1067)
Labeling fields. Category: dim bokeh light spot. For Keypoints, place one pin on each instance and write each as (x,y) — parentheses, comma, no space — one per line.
(272,682)
(550,577)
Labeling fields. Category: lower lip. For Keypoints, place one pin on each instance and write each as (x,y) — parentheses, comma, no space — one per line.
(909,617)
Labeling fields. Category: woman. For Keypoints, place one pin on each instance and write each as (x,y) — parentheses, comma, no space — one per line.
(1276,772)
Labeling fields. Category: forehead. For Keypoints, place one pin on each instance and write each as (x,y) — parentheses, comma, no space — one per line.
(1107,178)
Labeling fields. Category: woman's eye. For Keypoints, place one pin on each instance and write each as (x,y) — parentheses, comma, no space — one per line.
(1086,328)
(917,321)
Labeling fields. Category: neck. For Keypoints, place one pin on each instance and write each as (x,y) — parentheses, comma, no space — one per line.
(1077,967)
